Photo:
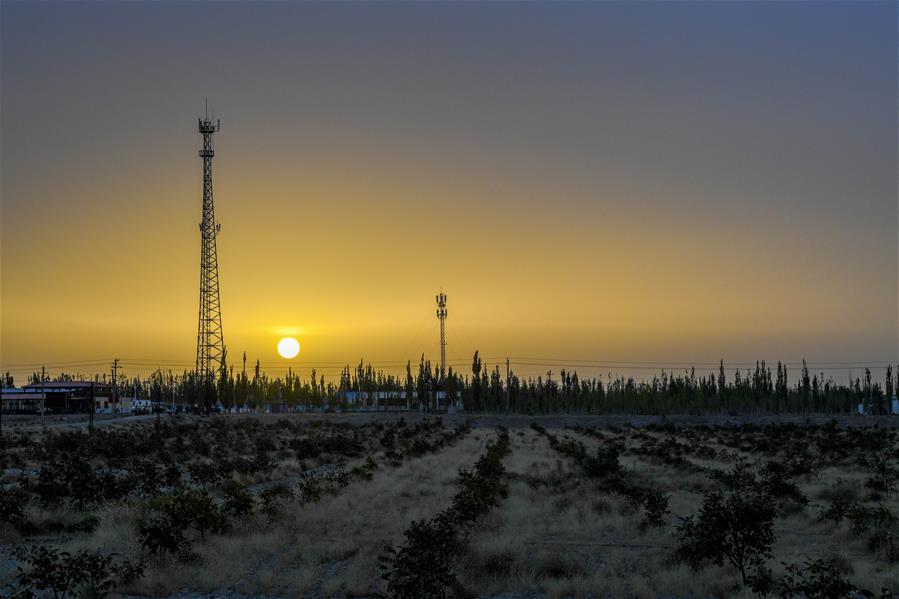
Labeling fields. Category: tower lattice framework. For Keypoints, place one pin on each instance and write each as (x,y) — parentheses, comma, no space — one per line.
(210,340)
(441,314)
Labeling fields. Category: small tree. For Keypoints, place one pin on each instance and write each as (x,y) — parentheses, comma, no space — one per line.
(420,569)
(89,574)
(737,528)
(160,535)
(238,500)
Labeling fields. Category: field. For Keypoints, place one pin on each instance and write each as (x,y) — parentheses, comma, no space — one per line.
(405,505)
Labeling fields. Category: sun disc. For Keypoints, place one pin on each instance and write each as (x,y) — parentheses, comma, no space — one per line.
(288,347)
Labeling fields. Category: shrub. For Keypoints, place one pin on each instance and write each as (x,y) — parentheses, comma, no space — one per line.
(837,511)
(83,574)
(773,481)
(884,540)
(863,518)
(602,465)
(884,478)
(196,509)
(238,500)
(815,579)
(655,506)
(737,528)
(273,497)
(165,519)
(420,568)
(160,535)
(147,477)
(12,508)
(366,470)
(262,463)
(75,479)
(310,491)
(205,473)
(304,448)
(49,485)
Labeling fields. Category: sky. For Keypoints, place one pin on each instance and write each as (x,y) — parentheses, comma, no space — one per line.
(653,182)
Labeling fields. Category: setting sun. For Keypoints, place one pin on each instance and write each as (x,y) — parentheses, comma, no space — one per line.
(288,347)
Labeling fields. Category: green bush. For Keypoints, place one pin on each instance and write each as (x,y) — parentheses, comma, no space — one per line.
(863,518)
(737,528)
(165,519)
(421,567)
(238,500)
(87,574)
(836,511)
(274,497)
(160,535)
(814,579)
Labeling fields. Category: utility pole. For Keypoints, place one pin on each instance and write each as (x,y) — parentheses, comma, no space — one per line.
(43,395)
(508,383)
(441,314)
(210,338)
(115,389)
(90,424)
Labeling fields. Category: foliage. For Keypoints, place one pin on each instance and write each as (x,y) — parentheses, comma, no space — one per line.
(75,479)
(836,511)
(12,506)
(864,518)
(310,491)
(87,574)
(421,566)
(732,527)
(274,497)
(160,535)
(166,518)
(814,579)
(884,479)
(238,500)
(604,465)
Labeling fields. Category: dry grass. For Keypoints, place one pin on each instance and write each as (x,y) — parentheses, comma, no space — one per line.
(555,533)
(327,547)
(565,537)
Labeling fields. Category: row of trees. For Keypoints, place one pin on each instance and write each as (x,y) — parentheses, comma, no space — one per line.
(760,390)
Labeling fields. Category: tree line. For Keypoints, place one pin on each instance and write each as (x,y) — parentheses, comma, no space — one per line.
(762,389)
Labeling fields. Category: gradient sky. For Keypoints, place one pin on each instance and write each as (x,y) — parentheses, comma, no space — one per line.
(610,181)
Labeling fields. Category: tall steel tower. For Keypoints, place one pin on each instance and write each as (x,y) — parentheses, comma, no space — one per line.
(210,341)
(441,314)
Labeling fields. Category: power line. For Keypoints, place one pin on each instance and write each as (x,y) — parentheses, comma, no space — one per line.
(516,363)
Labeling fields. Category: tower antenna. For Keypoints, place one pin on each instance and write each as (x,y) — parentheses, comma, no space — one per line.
(210,340)
(441,314)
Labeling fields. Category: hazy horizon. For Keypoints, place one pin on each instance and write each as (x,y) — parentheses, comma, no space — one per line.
(671,182)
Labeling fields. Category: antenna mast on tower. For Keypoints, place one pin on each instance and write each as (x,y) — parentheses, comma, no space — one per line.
(210,341)
(441,314)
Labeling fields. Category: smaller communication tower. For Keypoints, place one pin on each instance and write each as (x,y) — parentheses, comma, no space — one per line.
(441,314)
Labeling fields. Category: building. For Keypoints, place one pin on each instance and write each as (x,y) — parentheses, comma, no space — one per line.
(16,401)
(394,400)
(66,397)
